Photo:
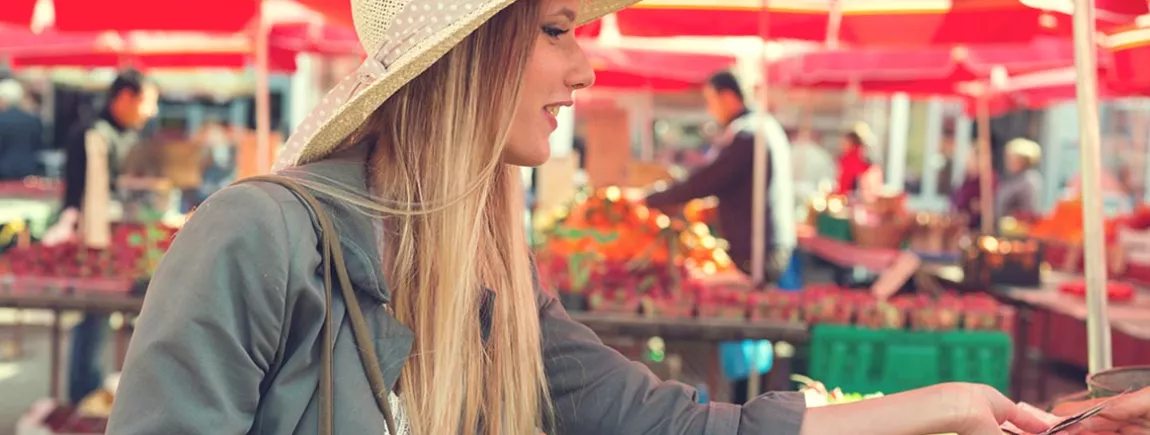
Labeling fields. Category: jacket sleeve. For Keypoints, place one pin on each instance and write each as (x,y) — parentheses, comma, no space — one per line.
(75,169)
(731,166)
(597,391)
(211,323)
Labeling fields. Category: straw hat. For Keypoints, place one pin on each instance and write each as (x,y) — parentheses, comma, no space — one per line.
(403,39)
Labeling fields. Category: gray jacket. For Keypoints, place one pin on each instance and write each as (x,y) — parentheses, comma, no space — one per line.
(228,340)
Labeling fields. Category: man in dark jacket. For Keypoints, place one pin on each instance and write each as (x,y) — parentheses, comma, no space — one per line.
(105,142)
(20,134)
(728,173)
(729,176)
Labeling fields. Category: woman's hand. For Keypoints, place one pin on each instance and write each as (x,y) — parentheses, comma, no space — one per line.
(1127,415)
(965,409)
(983,410)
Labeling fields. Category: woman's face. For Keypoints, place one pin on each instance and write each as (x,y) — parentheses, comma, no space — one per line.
(556,67)
(1016,163)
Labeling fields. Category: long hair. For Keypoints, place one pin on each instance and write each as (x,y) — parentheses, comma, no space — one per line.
(453,219)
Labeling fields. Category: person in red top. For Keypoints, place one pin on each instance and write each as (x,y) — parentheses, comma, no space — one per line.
(853,162)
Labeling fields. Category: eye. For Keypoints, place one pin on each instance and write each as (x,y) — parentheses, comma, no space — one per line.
(555,32)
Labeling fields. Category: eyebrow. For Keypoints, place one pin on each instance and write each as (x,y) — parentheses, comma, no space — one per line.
(566,12)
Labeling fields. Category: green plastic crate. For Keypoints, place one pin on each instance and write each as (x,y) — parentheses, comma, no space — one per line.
(864,360)
(833,227)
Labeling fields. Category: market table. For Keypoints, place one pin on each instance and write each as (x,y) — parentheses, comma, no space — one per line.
(1053,324)
(710,332)
(104,296)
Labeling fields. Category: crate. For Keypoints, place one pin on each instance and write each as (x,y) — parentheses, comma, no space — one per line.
(890,361)
(833,227)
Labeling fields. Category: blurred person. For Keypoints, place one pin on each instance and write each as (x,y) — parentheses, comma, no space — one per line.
(854,161)
(728,174)
(812,165)
(219,159)
(1020,189)
(437,324)
(94,161)
(21,134)
(966,198)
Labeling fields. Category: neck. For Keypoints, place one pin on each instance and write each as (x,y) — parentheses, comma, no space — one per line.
(738,113)
(108,115)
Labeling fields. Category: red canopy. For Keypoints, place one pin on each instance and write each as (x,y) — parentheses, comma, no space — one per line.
(655,70)
(144,50)
(100,15)
(868,22)
(1039,90)
(1131,48)
(924,71)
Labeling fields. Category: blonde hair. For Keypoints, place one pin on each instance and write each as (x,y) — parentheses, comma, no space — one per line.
(453,219)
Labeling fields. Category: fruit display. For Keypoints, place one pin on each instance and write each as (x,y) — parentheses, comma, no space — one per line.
(729,303)
(135,252)
(876,314)
(1064,224)
(777,306)
(620,254)
(832,305)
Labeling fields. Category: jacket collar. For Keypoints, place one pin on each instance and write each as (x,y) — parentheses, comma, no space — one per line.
(358,232)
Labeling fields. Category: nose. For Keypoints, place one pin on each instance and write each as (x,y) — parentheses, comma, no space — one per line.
(580,74)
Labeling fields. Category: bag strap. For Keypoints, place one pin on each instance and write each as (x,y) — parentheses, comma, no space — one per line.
(333,259)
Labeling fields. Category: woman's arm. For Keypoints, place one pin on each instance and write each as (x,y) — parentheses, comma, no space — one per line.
(211,322)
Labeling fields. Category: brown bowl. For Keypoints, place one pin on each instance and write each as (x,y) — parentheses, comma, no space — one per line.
(1118,380)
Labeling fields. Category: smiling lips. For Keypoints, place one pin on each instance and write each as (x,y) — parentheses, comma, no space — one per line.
(552,112)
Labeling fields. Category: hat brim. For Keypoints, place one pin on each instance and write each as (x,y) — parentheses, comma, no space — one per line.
(322,131)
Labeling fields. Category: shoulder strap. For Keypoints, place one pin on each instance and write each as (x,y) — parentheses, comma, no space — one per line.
(333,259)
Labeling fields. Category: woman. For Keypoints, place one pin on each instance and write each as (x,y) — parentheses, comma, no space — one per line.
(966,199)
(1018,193)
(853,161)
(415,157)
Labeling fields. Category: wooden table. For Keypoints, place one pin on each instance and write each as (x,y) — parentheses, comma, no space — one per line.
(708,331)
(69,295)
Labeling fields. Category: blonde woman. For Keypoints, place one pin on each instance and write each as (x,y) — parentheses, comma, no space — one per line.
(435,325)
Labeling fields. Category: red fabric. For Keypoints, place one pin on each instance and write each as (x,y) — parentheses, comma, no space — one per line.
(278,61)
(660,22)
(920,71)
(852,165)
(338,12)
(170,15)
(966,22)
(654,70)
(18,12)
(1132,57)
(334,40)
(15,41)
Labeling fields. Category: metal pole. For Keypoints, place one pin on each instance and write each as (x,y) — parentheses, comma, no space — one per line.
(759,202)
(263,93)
(985,167)
(834,23)
(1090,139)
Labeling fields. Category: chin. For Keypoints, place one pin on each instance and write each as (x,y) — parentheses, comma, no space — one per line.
(535,156)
